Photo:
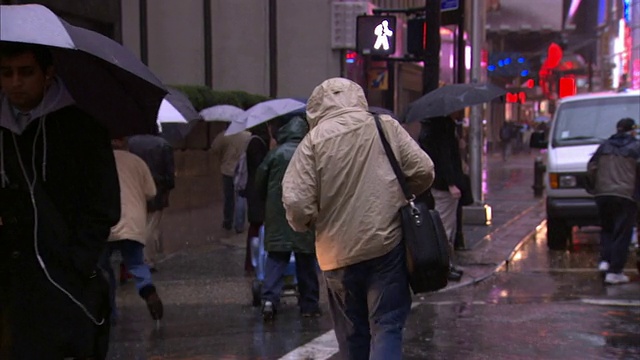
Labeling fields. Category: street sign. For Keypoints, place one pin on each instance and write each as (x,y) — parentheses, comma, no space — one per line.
(449,5)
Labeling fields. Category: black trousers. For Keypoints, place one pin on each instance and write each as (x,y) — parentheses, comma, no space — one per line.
(617,218)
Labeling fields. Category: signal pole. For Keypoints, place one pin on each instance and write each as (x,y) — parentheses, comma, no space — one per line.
(431,57)
(479,212)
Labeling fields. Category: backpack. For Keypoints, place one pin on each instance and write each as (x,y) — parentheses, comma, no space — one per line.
(241,173)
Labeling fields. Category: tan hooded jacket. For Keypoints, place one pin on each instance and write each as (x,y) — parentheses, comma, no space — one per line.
(340,179)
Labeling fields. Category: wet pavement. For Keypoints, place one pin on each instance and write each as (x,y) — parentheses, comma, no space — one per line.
(517,300)
(544,305)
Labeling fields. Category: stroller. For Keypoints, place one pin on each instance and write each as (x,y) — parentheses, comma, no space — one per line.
(259,260)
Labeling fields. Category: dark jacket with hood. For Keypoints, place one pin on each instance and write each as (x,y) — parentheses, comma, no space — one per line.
(257,149)
(59,197)
(438,139)
(613,168)
(279,236)
(157,153)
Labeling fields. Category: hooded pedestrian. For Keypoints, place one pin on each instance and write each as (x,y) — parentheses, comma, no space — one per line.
(613,175)
(340,181)
(280,239)
(59,196)
(157,153)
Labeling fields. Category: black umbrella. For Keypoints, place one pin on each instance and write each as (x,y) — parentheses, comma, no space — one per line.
(451,98)
(177,116)
(104,78)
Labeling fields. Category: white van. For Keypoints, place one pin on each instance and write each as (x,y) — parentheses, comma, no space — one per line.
(579,125)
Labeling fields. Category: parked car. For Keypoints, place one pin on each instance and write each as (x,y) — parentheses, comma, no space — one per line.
(579,125)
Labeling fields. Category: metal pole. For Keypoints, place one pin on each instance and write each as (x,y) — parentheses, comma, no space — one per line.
(461,47)
(208,46)
(475,136)
(273,49)
(634,76)
(431,58)
(144,44)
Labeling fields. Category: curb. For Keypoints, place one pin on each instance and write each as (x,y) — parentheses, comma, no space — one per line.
(505,262)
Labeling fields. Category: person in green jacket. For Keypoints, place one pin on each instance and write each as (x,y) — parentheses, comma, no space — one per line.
(280,239)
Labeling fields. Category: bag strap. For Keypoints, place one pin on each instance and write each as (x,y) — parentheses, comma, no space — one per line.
(394,162)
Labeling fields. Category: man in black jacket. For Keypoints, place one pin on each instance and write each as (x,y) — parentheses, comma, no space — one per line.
(613,173)
(59,197)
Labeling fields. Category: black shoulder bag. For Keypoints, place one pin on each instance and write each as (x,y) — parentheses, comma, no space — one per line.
(423,235)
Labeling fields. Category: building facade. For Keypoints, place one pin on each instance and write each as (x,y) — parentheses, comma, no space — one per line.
(279,48)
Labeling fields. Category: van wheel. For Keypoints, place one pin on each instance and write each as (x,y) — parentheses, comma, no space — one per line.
(558,234)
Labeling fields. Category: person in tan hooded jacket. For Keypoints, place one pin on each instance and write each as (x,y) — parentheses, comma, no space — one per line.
(340,181)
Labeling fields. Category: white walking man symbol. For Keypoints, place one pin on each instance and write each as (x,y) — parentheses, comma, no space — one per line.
(383,33)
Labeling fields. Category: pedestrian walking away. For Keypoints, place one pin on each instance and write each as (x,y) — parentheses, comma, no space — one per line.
(157,153)
(129,234)
(280,239)
(340,181)
(257,150)
(613,178)
(59,197)
(438,139)
(228,150)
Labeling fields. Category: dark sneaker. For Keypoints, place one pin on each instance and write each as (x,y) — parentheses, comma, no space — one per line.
(154,304)
(455,274)
(268,311)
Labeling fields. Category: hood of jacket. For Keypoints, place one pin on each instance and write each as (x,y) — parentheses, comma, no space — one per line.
(55,98)
(293,131)
(621,140)
(335,97)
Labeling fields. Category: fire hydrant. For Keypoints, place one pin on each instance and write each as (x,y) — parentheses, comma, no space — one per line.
(538,177)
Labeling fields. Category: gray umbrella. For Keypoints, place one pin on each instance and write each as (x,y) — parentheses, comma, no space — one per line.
(105,79)
(451,98)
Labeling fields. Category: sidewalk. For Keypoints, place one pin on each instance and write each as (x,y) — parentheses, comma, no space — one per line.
(515,214)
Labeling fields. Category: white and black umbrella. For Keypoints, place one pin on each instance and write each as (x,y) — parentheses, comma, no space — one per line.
(176,116)
(104,78)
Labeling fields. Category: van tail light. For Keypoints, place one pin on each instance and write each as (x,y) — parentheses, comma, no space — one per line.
(553,180)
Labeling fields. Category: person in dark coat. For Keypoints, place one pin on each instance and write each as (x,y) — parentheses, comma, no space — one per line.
(59,197)
(280,239)
(438,139)
(613,175)
(157,153)
(257,149)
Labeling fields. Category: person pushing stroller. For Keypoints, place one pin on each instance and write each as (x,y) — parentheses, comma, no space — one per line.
(280,239)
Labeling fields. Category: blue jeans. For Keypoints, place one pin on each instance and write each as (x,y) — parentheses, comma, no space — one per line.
(240,213)
(132,253)
(369,303)
(306,274)
(617,218)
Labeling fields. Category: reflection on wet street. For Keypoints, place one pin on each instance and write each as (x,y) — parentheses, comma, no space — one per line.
(543,305)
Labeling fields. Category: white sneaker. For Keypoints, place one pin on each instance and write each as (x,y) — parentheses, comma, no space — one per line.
(603,266)
(613,279)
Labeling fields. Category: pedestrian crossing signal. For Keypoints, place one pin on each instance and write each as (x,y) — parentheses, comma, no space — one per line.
(376,35)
